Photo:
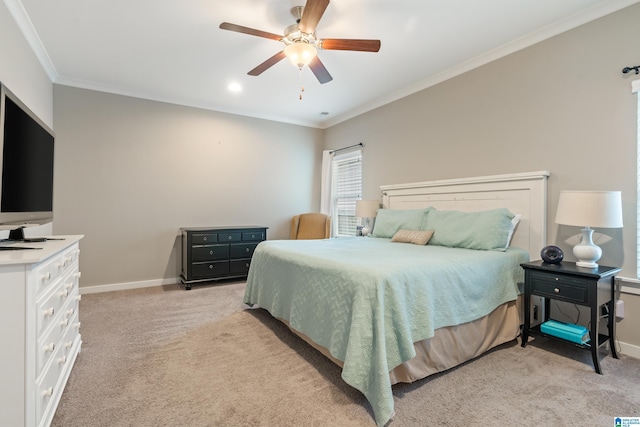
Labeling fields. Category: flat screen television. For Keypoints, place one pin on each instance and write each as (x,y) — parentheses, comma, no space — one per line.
(26,167)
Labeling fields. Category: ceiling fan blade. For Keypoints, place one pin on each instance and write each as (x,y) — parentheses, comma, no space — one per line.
(313,11)
(350,44)
(320,71)
(267,64)
(250,31)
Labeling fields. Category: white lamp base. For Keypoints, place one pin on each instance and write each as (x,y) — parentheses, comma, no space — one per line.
(586,251)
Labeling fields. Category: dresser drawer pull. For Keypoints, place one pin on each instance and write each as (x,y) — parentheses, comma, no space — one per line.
(49,312)
(48,392)
(49,348)
(247,265)
(248,250)
(556,290)
(204,238)
(46,276)
(210,266)
(68,344)
(70,312)
(79,297)
(78,325)
(68,286)
(211,252)
(62,360)
(64,293)
(78,274)
(229,237)
(64,322)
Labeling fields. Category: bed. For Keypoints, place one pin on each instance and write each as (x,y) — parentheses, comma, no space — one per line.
(389,312)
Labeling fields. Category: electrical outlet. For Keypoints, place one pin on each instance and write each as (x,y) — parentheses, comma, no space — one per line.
(535,312)
(619,310)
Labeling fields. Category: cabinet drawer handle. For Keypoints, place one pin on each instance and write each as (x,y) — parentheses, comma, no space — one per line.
(62,360)
(229,237)
(49,312)
(211,252)
(556,290)
(248,250)
(247,265)
(46,276)
(210,266)
(69,344)
(204,238)
(47,392)
(49,348)
(64,322)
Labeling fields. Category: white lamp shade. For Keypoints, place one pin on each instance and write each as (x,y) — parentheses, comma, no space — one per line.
(590,209)
(300,54)
(367,208)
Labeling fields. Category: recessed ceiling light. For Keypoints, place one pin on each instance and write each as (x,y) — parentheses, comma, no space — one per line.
(235,87)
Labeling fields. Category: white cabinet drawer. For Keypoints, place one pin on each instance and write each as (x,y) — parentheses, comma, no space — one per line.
(47,273)
(64,320)
(49,306)
(47,387)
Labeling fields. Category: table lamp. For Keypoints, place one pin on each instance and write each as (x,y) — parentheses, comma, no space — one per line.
(367,209)
(589,209)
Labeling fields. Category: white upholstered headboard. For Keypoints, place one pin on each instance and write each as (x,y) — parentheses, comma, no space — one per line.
(521,193)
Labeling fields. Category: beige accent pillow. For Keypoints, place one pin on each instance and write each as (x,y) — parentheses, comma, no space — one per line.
(416,237)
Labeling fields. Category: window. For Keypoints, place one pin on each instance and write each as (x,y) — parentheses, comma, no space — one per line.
(346,189)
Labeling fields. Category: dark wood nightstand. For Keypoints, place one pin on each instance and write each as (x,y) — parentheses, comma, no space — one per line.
(589,287)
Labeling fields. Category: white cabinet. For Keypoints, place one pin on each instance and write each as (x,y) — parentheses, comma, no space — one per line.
(40,330)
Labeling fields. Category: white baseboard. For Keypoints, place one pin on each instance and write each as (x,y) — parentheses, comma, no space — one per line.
(128,285)
(629,350)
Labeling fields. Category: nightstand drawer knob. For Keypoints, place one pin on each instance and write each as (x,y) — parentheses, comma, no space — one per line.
(556,290)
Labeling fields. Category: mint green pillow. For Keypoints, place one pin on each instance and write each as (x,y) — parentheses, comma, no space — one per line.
(389,221)
(484,230)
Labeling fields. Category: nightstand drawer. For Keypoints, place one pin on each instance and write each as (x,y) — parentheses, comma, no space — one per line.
(559,287)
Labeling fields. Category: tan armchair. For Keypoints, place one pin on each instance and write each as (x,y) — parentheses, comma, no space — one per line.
(310,226)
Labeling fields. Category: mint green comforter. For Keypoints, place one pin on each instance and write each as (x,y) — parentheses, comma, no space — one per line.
(367,300)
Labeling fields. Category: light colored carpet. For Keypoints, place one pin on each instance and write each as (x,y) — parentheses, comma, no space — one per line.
(168,357)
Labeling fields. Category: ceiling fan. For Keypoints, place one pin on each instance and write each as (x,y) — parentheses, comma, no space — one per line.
(301,42)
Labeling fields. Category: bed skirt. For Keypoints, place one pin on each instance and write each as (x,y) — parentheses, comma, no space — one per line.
(450,346)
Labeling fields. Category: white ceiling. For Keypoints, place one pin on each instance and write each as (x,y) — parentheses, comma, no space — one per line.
(173,50)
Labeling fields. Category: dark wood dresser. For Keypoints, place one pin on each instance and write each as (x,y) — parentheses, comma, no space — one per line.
(214,253)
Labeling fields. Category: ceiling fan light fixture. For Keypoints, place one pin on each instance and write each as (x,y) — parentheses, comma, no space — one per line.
(300,53)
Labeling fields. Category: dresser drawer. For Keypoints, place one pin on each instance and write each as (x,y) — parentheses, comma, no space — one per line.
(209,253)
(253,236)
(230,237)
(203,238)
(48,386)
(49,271)
(242,250)
(560,287)
(201,270)
(49,307)
(240,266)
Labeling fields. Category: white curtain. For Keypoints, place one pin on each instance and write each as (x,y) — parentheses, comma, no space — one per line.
(326,199)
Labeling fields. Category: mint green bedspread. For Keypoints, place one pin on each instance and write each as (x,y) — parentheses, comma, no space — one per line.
(367,300)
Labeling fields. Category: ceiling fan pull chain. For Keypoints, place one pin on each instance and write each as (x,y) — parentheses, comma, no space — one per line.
(301,84)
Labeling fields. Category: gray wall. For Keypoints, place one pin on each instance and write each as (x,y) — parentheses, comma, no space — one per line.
(129,173)
(21,71)
(562,105)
